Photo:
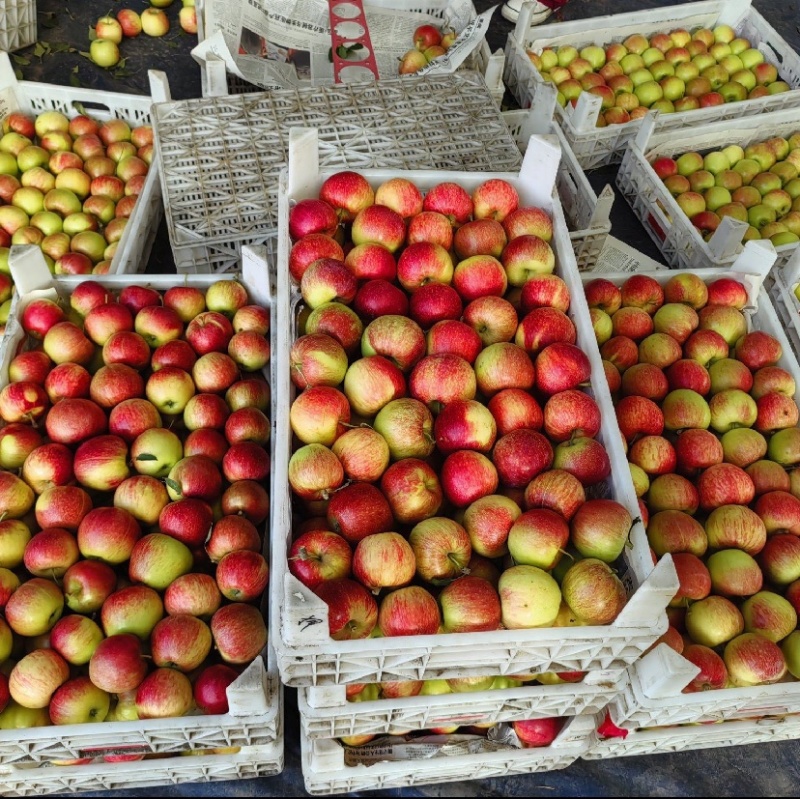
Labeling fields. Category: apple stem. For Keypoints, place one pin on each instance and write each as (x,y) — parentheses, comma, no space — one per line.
(569,555)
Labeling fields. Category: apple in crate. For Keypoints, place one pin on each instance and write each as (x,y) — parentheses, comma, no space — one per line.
(537,732)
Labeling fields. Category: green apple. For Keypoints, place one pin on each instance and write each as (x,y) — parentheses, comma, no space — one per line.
(673,88)
(778,199)
(549,59)
(748,168)
(566,55)
(663,69)
(435,688)
(785,170)
(664,106)
(704,61)
(716,161)
(648,92)
(734,153)
(733,92)
(762,153)
(686,71)
(766,182)
(651,55)
(595,55)
(717,75)
(732,63)
(745,77)
(631,62)
(790,646)
(716,197)
(784,238)
(17,717)
(779,87)
(639,76)
(760,215)
(751,57)
(792,221)
(689,162)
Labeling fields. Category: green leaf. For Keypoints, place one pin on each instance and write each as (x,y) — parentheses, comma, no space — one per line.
(92,34)
(330,54)
(121,63)
(146,456)
(342,51)
(39,50)
(21,60)
(74,80)
(85,54)
(18,73)
(355,47)
(174,486)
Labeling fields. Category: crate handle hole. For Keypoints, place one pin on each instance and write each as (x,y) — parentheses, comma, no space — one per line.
(90,106)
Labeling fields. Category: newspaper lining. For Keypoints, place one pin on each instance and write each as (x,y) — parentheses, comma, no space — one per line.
(286,43)
(391,747)
(617,256)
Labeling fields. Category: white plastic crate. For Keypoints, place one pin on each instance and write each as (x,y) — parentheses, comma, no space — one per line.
(782,284)
(45,778)
(215,81)
(653,697)
(255,698)
(658,211)
(33,98)
(593,146)
(588,216)
(17,24)
(221,156)
(325,770)
(326,713)
(306,653)
(664,740)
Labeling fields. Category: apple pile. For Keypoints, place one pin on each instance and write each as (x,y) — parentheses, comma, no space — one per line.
(711,425)
(109,31)
(758,185)
(669,72)
(531,733)
(134,455)
(68,186)
(444,446)
(429,43)
(369,692)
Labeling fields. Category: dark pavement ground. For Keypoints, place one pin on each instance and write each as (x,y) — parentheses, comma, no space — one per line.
(769,769)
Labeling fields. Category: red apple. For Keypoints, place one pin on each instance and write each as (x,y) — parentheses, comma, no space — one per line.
(352,611)
(117,664)
(318,556)
(378,297)
(724,484)
(210,688)
(383,561)
(229,534)
(520,455)
(409,611)
(412,490)
(571,413)
(470,604)
(713,673)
